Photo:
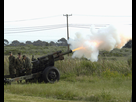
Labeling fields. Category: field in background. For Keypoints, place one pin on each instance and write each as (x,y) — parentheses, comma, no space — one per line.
(109,79)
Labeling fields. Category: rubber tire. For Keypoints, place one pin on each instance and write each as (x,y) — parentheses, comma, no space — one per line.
(45,74)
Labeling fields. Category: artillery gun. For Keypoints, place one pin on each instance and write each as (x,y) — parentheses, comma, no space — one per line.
(42,69)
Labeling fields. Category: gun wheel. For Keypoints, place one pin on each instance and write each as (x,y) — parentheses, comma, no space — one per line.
(51,74)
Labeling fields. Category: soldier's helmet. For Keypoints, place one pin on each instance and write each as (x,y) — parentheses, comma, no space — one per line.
(24,56)
(19,53)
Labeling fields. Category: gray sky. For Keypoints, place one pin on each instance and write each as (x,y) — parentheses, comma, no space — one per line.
(21,16)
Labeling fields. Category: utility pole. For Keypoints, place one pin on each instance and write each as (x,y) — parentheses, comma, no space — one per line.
(67,28)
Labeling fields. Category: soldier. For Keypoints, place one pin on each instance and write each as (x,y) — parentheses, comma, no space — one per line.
(19,66)
(12,70)
(27,66)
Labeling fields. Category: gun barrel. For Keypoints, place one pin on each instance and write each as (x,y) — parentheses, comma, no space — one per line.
(57,52)
(60,56)
(67,52)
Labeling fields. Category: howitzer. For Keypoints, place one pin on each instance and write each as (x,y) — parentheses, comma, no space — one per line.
(42,62)
(42,68)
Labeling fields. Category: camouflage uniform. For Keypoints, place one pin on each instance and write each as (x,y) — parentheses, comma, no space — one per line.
(19,67)
(12,69)
(27,66)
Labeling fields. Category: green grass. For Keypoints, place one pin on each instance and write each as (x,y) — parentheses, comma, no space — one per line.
(8,97)
(106,68)
(107,80)
(91,89)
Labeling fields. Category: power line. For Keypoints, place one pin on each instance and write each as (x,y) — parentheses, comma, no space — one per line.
(32,19)
(44,26)
(74,15)
(40,30)
(34,27)
(89,25)
(103,15)
(34,30)
(50,27)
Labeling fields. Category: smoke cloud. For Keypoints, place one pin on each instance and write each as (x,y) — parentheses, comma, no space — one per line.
(106,38)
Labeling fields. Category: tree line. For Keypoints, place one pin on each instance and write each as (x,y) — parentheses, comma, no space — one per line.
(60,42)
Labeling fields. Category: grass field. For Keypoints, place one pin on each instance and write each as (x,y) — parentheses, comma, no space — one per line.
(91,89)
(108,80)
(20,98)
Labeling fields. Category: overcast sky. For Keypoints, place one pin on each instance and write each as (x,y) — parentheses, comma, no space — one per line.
(21,16)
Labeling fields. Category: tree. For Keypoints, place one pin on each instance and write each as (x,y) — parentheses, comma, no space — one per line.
(15,43)
(6,42)
(62,42)
(37,43)
(52,43)
(22,44)
(28,42)
(40,43)
(128,44)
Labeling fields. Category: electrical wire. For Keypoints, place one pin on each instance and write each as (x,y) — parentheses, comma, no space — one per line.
(34,27)
(49,27)
(102,15)
(32,19)
(37,27)
(41,28)
(34,30)
(72,15)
